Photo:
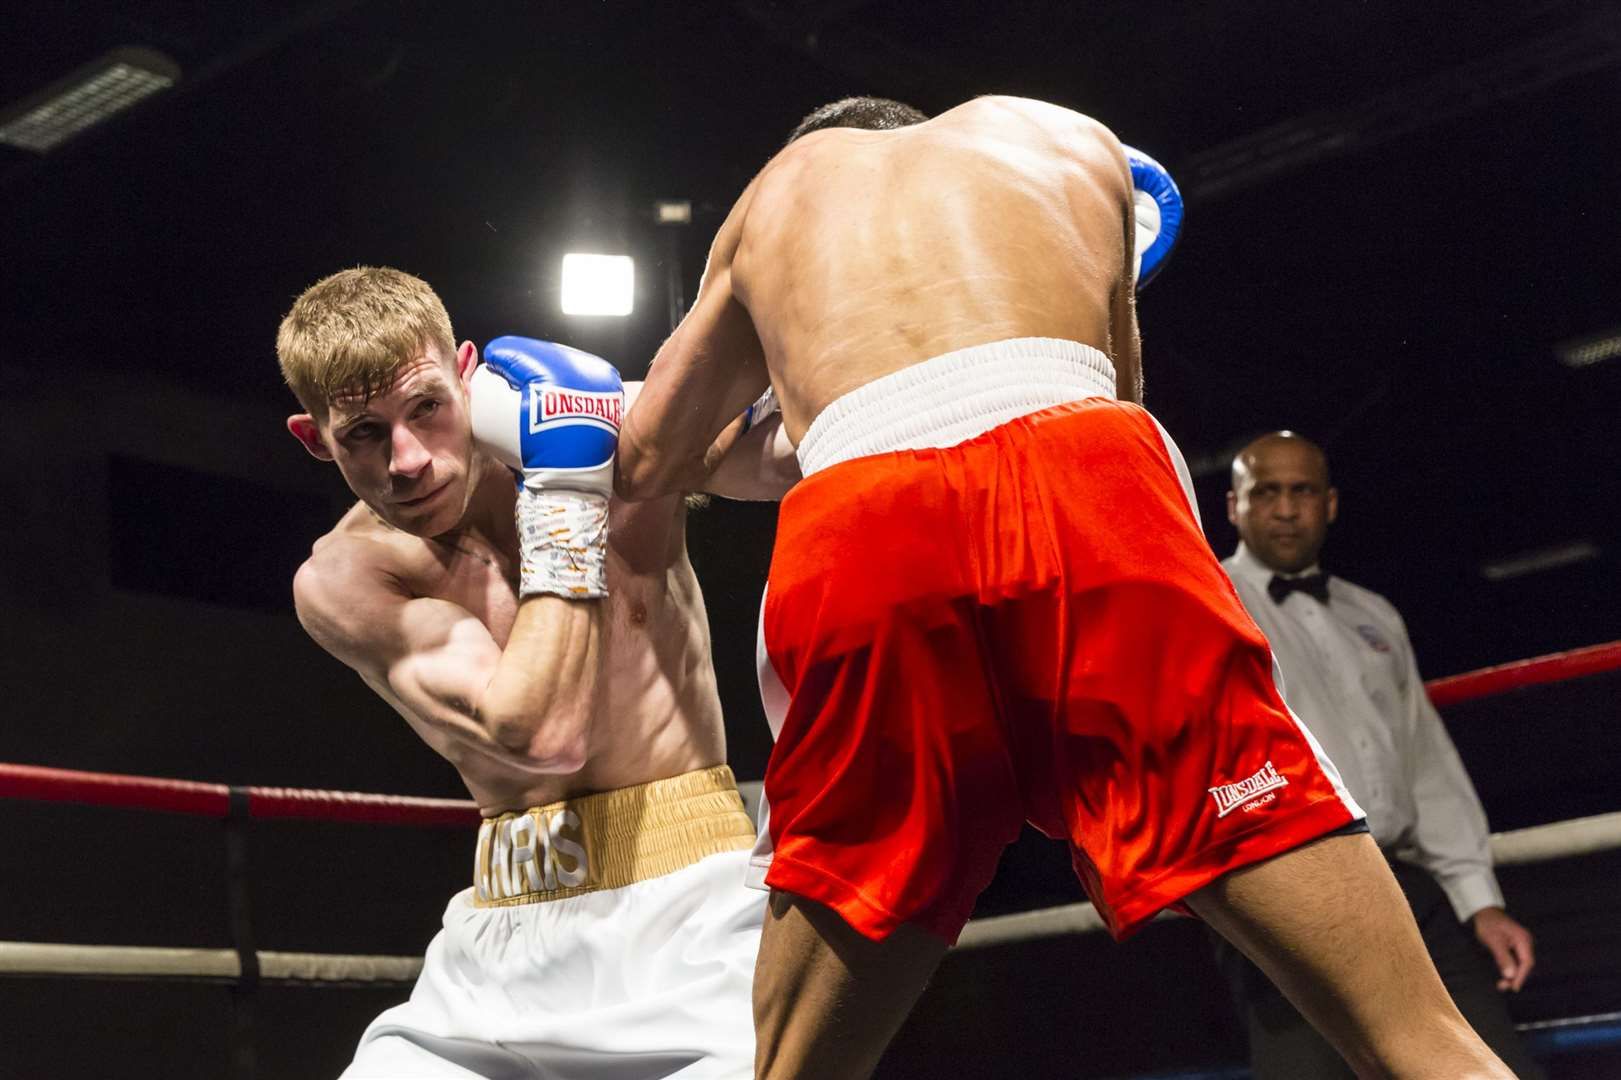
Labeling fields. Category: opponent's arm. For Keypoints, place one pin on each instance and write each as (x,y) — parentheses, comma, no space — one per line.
(1125,341)
(704,376)
(1152,224)
(758,464)
(752,460)
(528,706)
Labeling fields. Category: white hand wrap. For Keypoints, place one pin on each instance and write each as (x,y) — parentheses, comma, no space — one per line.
(563,541)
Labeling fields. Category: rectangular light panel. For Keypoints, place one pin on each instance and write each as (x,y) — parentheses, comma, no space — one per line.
(94,93)
(598,284)
(1585,352)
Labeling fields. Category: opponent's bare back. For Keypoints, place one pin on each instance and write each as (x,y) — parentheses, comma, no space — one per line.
(857,253)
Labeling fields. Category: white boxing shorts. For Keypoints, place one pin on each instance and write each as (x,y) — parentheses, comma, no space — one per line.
(608,937)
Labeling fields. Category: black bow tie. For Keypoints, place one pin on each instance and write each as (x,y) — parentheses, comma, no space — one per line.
(1313,585)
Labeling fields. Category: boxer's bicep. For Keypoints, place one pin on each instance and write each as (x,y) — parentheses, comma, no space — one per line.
(438,660)
(432,657)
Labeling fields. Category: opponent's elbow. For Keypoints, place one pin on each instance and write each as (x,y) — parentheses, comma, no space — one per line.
(637,475)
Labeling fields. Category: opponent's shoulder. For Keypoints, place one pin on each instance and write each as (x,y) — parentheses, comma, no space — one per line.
(1056,119)
(1051,131)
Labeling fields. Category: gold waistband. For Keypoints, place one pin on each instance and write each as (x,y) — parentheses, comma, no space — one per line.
(609,839)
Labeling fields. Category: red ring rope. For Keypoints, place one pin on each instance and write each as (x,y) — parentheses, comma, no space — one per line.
(213,800)
(45,784)
(1555,667)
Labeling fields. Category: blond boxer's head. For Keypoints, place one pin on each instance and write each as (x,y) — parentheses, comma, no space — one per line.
(370,355)
(1282,501)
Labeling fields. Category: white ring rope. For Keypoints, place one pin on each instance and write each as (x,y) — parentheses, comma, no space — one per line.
(147,962)
(1541,843)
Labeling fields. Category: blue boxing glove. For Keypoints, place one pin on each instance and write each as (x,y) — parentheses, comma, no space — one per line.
(552,414)
(1158,206)
(549,412)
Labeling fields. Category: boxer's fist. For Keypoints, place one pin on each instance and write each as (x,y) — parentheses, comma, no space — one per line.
(550,412)
(1158,206)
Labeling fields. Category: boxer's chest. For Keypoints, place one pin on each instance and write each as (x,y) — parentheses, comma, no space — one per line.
(474,575)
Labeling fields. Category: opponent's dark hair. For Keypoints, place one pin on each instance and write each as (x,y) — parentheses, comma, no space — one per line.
(867,113)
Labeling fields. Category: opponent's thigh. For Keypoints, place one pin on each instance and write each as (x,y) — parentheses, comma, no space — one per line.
(1327,923)
(828,1000)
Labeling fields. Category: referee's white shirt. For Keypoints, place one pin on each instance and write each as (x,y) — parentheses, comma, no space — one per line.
(1350,675)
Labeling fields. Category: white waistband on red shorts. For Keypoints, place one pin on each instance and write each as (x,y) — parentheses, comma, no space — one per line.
(954,397)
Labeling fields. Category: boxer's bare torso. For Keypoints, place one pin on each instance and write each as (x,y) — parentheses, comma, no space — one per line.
(862,252)
(659,713)
(856,253)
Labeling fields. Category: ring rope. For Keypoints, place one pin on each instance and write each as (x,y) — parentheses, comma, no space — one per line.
(224,965)
(1519,847)
(1540,843)
(46,784)
(1518,674)
(1564,839)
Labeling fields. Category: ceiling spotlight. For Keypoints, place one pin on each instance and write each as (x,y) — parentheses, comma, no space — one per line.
(94,93)
(598,284)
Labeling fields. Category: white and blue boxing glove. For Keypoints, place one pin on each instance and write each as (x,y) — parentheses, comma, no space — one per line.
(552,414)
(1158,206)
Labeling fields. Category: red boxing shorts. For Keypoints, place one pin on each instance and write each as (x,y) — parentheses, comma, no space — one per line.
(990,602)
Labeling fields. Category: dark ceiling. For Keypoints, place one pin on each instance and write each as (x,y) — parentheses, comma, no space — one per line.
(1396,211)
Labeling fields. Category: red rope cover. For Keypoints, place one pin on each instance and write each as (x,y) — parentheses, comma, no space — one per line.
(1555,667)
(359,808)
(45,784)
(110,789)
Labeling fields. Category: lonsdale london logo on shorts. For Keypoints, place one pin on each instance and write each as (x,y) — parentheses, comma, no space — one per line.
(532,852)
(1230,797)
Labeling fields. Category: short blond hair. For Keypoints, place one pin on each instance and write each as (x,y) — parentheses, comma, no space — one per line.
(350,333)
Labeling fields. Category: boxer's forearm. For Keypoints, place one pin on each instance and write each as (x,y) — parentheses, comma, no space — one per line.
(703,378)
(540,701)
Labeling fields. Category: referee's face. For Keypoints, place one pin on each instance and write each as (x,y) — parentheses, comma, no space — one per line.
(1282,503)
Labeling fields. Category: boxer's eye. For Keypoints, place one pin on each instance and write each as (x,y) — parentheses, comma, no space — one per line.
(361,433)
(428,407)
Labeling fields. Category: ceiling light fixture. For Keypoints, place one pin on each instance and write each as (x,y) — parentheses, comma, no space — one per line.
(1535,562)
(96,92)
(598,284)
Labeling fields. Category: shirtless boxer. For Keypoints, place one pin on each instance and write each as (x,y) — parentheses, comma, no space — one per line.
(607,931)
(990,600)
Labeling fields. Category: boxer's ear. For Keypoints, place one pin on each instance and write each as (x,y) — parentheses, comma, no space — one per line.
(466,363)
(1333,510)
(308,434)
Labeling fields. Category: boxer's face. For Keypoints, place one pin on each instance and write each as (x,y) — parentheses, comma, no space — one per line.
(407,452)
(1283,505)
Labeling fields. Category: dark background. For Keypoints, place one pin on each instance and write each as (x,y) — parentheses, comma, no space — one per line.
(1396,214)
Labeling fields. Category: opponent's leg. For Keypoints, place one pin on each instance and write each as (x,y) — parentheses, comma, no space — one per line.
(827,999)
(1327,923)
